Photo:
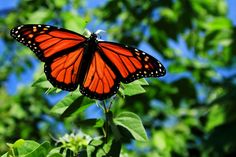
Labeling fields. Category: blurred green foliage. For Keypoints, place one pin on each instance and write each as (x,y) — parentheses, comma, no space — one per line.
(190,112)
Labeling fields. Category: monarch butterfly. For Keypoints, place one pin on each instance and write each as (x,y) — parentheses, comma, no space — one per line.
(98,67)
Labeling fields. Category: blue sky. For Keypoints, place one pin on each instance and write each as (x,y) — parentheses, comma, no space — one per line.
(232,10)
(4,4)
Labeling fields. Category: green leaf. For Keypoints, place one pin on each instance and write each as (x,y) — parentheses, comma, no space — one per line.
(73,21)
(219,23)
(55,155)
(39,16)
(60,3)
(42,150)
(216,116)
(95,142)
(99,148)
(42,82)
(28,148)
(141,81)
(71,103)
(23,147)
(93,147)
(19,143)
(168,14)
(5,155)
(55,152)
(133,124)
(132,89)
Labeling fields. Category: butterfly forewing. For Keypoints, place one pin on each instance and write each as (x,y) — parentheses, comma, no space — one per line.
(47,41)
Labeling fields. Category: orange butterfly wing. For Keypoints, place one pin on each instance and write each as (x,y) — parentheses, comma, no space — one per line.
(63,71)
(60,49)
(130,62)
(100,81)
(47,41)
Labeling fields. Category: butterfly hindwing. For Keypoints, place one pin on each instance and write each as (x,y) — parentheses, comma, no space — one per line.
(101,81)
(63,71)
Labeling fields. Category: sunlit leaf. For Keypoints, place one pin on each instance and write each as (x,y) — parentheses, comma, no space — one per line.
(133,89)
(28,148)
(133,124)
(220,23)
(74,22)
(42,82)
(39,16)
(93,146)
(71,103)
(55,152)
(216,117)
(60,3)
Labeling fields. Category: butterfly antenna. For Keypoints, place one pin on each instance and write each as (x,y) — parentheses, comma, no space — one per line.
(98,32)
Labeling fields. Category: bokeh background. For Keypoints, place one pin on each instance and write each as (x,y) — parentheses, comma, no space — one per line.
(189,112)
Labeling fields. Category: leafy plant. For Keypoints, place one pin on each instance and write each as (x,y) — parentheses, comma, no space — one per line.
(190,112)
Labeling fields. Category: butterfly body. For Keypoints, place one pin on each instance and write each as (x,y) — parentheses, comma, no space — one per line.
(89,50)
(72,59)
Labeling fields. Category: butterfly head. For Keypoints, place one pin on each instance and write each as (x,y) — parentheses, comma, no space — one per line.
(93,36)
